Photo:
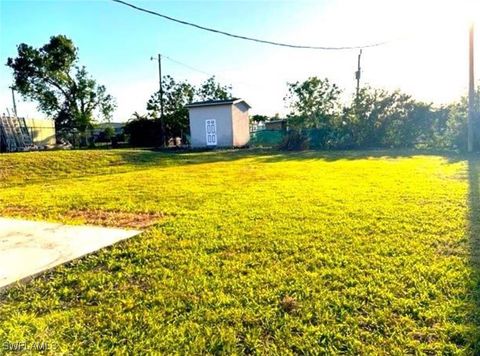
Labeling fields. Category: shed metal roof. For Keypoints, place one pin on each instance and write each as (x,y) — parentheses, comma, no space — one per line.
(217,102)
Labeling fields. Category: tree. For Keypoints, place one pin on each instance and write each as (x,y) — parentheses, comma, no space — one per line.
(108,133)
(143,131)
(453,132)
(375,118)
(314,103)
(176,95)
(50,76)
(378,118)
(259,118)
(212,90)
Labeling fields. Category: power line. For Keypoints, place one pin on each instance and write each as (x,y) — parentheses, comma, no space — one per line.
(209,74)
(189,66)
(245,37)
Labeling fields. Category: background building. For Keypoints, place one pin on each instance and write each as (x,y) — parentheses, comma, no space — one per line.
(42,131)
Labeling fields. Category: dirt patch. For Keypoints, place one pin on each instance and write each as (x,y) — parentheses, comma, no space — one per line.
(115,218)
(92,217)
(450,248)
(17,211)
(289,304)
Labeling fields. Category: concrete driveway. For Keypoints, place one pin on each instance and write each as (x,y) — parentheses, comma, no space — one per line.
(30,247)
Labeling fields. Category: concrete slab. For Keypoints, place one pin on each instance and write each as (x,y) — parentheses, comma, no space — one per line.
(30,247)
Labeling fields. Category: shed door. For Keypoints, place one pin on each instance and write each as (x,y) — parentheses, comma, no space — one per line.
(211,132)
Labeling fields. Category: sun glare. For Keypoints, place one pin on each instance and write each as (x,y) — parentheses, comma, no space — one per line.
(463,11)
(448,13)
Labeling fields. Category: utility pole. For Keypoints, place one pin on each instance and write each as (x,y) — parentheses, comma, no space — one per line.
(14,103)
(162,122)
(471,91)
(358,73)
(160,83)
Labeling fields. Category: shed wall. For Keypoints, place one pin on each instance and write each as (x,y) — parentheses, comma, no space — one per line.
(241,125)
(223,116)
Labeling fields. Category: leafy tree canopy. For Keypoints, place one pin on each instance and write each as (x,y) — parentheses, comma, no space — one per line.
(50,75)
(176,95)
(374,118)
(313,103)
(212,90)
(259,118)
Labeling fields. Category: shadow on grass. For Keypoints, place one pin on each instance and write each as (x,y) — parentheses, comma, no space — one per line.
(82,163)
(474,241)
(350,155)
(148,158)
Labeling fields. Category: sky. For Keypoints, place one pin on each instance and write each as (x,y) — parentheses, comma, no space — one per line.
(425,54)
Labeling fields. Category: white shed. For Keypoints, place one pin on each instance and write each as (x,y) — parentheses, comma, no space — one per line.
(219,123)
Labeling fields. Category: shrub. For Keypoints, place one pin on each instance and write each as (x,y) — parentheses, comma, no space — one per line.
(295,140)
(144,132)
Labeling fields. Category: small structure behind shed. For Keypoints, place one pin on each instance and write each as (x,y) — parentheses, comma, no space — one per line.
(14,134)
(42,131)
(20,134)
(219,123)
(276,125)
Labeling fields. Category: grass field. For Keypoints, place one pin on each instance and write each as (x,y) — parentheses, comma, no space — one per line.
(253,252)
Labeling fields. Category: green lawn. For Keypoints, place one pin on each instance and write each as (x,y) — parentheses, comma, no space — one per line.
(254,252)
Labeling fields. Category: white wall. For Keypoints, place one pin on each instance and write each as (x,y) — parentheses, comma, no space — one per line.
(42,131)
(222,114)
(241,125)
